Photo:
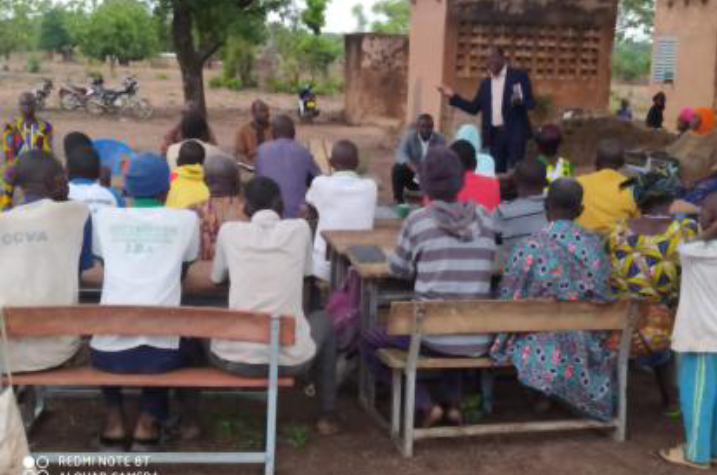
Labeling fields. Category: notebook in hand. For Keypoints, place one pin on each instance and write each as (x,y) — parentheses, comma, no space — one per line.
(367,254)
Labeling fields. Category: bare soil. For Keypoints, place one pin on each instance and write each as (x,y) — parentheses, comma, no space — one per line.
(362,448)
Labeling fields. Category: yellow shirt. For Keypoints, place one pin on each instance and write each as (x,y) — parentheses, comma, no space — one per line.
(605,203)
(188,188)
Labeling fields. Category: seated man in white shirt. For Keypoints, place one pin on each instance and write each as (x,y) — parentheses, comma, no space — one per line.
(145,250)
(343,201)
(266,261)
(40,243)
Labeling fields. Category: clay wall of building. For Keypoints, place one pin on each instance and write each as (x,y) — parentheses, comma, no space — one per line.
(376,69)
(565,45)
(693,26)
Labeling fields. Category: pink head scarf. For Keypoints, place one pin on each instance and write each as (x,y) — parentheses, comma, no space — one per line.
(687,114)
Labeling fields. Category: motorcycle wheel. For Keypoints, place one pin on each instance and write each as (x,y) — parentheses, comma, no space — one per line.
(69,102)
(142,109)
(95,107)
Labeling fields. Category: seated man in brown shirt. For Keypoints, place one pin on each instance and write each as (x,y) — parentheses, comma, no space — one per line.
(254,133)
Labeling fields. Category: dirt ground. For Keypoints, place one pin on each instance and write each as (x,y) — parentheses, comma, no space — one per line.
(228,110)
(361,448)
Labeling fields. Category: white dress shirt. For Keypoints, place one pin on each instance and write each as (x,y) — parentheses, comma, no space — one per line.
(497,90)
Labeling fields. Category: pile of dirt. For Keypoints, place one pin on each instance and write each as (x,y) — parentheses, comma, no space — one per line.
(582,135)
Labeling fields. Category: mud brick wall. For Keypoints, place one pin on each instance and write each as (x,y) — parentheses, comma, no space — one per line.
(565,45)
(376,70)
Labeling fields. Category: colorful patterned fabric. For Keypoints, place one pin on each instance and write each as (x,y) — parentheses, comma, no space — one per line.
(659,183)
(212,214)
(20,136)
(562,262)
(648,267)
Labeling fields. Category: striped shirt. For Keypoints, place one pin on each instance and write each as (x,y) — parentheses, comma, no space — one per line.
(448,248)
(518,219)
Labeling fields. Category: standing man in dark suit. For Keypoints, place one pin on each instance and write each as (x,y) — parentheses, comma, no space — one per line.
(504,100)
(410,153)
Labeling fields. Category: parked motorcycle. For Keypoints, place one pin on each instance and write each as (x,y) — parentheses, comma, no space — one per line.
(122,100)
(73,97)
(308,104)
(42,92)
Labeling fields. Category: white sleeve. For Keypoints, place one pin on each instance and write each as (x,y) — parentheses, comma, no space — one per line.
(309,251)
(192,252)
(96,243)
(220,270)
(313,196)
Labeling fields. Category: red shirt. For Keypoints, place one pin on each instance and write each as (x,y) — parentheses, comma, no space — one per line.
(481,190)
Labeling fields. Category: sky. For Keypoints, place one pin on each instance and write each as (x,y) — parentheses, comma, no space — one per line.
(339,18)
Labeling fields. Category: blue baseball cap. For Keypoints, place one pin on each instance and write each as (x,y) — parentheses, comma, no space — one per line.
(147,176)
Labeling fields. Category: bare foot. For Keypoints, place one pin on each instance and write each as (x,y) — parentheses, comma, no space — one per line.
(114,425)
(147,427)
(433,417)
(455,416)
(327,425)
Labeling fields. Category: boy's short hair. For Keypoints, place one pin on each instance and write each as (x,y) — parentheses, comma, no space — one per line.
(36,166)
(83,162)
(191,153)
(549,139)
(467,153)
(531,174)
(262,193)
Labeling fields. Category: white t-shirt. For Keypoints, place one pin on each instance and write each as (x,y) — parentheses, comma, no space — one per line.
(93,195)
(40,247)
(344,201)
(143,251)
(266,261)
(696,323)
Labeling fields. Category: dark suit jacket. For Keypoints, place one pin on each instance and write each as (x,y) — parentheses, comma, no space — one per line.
(515,118)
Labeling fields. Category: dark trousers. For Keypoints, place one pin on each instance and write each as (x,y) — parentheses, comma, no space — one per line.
(323,365)
(145,360)
(507,151)
(401,178)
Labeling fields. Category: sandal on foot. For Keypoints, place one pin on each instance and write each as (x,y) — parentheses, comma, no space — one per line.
(676,456)
(110,444)
(146,445)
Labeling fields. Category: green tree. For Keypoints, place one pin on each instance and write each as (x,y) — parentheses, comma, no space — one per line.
(119,29)
(631,61)
(635,18)
(394,16)
(314,16)
(199,30)
(240,50)
(17,25)
(54,33)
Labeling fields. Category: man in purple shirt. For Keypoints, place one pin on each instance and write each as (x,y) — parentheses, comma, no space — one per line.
(287,163)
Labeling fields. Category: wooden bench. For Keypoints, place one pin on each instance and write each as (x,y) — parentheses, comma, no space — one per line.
(160,321)
(419,319)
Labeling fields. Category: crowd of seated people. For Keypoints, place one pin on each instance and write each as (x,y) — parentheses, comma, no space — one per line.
(594,238)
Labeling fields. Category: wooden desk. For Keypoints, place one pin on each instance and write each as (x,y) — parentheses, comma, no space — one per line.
(338,243)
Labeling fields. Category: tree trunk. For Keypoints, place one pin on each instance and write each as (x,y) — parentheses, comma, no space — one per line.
(193,84)
(190,62)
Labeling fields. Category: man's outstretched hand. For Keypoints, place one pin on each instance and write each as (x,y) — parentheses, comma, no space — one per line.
(446,91)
